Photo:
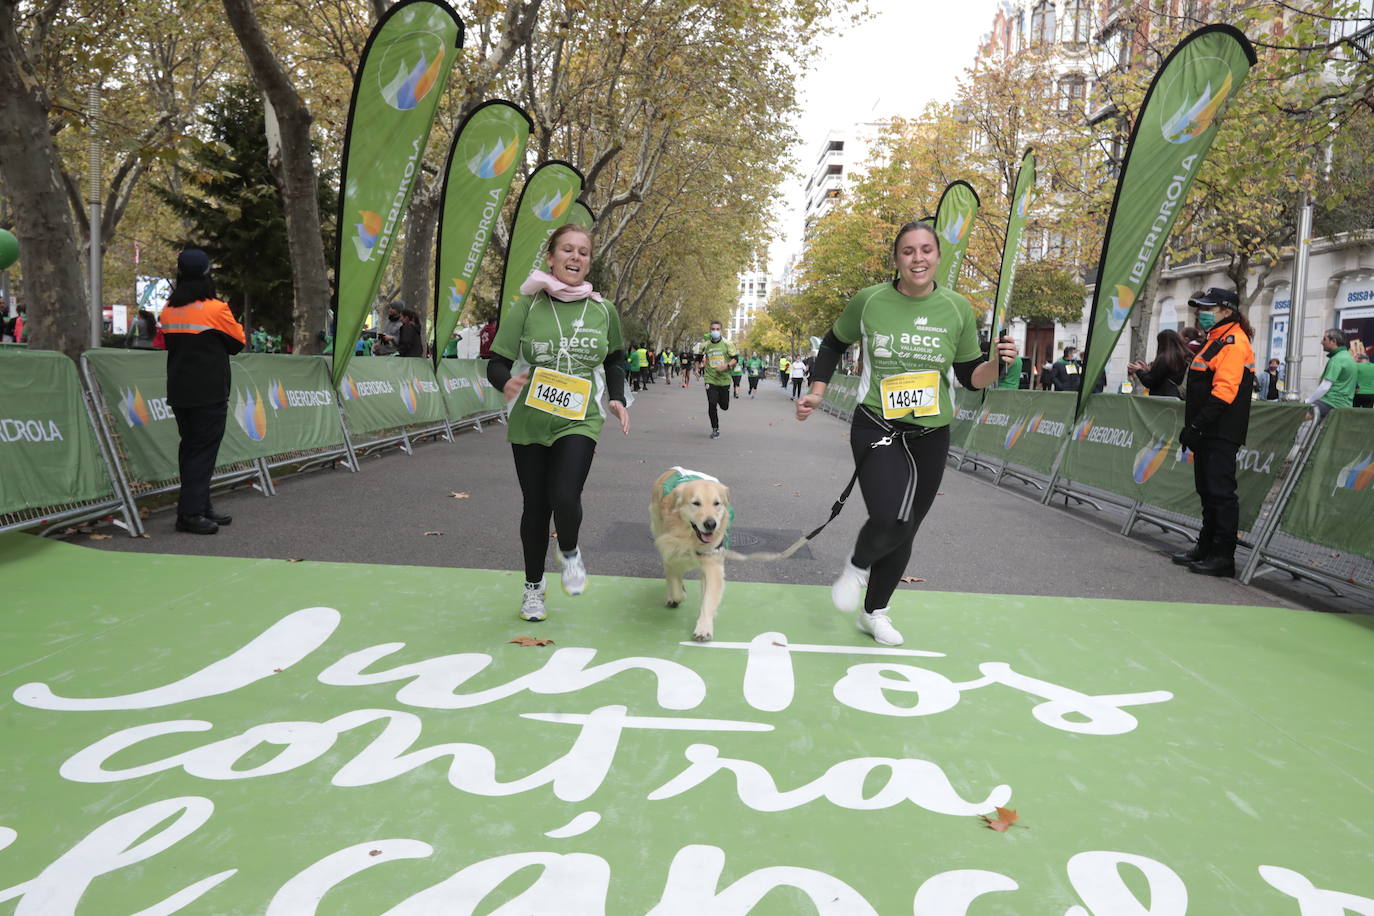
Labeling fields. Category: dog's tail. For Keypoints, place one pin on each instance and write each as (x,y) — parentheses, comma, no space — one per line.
(766,557)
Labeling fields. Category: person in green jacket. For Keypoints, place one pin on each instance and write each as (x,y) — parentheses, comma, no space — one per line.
(718,358)
(755,373)
(1337,388)
(632,359)
(736,373)
(1364,375)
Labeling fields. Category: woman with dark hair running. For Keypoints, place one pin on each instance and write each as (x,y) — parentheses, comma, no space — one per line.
(563,341)
(1163,378)
(912,333)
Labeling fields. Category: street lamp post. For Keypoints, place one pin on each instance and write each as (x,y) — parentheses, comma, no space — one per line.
(93,206)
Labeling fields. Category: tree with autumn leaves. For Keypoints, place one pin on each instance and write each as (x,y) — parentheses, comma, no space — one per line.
(677,114)
(1310,87)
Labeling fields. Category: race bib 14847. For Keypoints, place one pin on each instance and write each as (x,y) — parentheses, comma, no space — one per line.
(915,393)
(562,395)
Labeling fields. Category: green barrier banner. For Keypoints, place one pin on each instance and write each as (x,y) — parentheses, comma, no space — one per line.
(281,403)
(277,404)
(1022,193)
(1172,134)
(1026,428)
(1334,498)
(400,78)
(48,450)
(463,393)
(546,202)
(1129,446)
(481,164)
(954,224)
(967,405)
(386,392)
(133,388)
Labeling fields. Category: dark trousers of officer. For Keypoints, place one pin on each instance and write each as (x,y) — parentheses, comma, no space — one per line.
(202,430)
(717,395)
(1214,476)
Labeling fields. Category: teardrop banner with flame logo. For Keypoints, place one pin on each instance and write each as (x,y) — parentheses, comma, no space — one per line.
(483,159)
(1022,195)
(581,215)
(1172,135)
(400,78)
(546,202)
(954,224)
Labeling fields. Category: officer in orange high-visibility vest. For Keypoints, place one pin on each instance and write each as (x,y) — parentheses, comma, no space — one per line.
(201,335)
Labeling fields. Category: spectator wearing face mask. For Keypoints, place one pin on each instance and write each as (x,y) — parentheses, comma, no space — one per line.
(389,334)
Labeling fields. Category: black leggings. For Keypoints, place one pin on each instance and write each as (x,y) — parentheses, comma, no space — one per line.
(896,480)
(551,479)
(716,396)
(796,387)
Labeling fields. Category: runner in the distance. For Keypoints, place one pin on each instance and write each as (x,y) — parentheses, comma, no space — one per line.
(912,334)
(755,372)
(719,358)
(736,374)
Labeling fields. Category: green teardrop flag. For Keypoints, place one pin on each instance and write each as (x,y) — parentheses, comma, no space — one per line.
(9,249)
(546,202)
(481,163)
(954,224)
(1172,135)
(1023,193)
(404,68)
(582,215)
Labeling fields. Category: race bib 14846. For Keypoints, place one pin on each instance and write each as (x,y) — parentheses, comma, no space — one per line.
(562,395)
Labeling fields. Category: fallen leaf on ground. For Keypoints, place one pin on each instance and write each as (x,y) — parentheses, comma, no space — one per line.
(1006,817)
(294,559)
(777,484)
(531,641)
(375,852)
(796,493)
(101,537)
(912,579)
(144,512)
(146,535)
(276,671)
(459,495)
(434,534)
(782,644)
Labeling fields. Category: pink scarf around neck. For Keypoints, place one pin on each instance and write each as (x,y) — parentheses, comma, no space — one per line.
(539,281)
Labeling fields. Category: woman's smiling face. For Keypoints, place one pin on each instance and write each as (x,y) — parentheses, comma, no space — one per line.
(571,258)
(917,254)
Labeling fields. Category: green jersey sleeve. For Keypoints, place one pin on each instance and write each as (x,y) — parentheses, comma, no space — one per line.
(614,340)
(849,326)
(512,327)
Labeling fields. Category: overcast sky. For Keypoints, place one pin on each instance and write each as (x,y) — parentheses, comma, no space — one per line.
(909,53)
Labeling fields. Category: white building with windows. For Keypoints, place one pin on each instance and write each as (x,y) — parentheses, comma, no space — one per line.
(840,156)
(754,286)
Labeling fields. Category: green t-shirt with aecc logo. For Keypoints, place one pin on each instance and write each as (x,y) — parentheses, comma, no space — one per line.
(569,337)
(1340,372)
(718,355)
(909,334)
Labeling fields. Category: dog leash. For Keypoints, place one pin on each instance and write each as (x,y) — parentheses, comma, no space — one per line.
(893,435)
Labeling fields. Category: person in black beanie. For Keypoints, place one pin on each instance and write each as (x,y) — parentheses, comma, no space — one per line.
(201,335)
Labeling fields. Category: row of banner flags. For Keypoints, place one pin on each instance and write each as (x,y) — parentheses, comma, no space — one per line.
(410,55)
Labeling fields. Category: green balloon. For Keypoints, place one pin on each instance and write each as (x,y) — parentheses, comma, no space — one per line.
(9,249)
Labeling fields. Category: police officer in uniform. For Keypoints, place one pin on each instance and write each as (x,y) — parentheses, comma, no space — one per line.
(201,335)
(1216,417)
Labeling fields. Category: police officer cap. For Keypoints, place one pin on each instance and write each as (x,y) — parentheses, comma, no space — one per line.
(193,263)
(1214,297)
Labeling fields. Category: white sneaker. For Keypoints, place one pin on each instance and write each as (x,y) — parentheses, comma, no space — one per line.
(879,626)
(848,591)
(574,573)
(532,605)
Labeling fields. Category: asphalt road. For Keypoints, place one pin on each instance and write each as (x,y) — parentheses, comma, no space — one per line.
(783,476)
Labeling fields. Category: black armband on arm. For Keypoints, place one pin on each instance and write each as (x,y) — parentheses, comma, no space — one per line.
(614,365)
(823,367)
(498,371)
(964,371)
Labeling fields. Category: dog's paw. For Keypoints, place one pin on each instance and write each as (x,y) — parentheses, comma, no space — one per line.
(701,636)
(671,603)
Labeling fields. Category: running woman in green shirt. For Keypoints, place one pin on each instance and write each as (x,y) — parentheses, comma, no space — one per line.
(718,360)
(755,373)
(912,333)
(563,341)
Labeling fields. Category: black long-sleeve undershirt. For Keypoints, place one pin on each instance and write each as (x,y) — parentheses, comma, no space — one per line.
(499,372)
(832,348)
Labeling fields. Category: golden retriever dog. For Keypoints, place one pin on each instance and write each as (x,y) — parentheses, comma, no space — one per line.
(689,515)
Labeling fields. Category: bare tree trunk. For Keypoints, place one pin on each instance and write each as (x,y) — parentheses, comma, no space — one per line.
(422,218)
(295,170)
(1141,315)
(53,286)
